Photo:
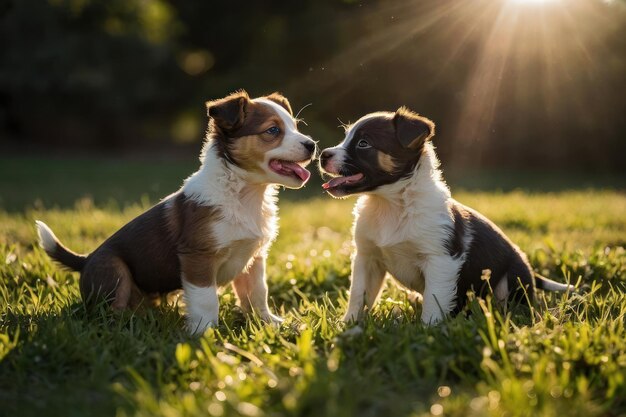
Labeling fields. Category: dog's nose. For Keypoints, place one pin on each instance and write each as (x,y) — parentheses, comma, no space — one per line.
(325,156)
(310,146)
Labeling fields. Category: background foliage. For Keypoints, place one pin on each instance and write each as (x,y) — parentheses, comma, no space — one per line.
(509,83)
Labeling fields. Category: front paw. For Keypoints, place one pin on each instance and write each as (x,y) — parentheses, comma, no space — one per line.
(272,319)
(414,297)
(350,317)
(431,319)
(197,326)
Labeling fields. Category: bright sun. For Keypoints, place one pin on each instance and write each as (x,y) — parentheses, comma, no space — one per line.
(533,1)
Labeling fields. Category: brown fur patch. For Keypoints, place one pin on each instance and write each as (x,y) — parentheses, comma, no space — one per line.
(236,118)
(148,255)
(228,113)
(199,258)
(258,118)
(251,141)
(281,101)
(412,130)
(249,151)
(386,162)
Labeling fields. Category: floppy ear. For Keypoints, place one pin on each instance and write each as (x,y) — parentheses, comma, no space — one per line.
(281,100)
(412,130)
(228,113)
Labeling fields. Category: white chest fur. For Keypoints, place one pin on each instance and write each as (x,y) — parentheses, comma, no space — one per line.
(406,224)
(402,228)
(238,257)
(383,228)
(247,221)
(404,263)
(242,234)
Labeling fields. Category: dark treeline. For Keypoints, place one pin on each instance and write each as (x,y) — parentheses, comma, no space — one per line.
(509,83)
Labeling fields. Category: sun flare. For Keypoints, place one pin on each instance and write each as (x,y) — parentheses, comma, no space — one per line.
(533,1)
(535,56)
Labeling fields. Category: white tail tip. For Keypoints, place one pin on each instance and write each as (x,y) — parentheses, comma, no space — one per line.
(47,239)
(558,287)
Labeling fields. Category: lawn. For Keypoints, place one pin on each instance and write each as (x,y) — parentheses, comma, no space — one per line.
(57,359)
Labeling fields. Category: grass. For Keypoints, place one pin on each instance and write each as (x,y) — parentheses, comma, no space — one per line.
(56,358)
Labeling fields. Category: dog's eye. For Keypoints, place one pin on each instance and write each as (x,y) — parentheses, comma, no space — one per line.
(363,144)
(274,130)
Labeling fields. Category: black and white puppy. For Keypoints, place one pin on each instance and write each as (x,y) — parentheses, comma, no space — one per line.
(216,229)
(407,223)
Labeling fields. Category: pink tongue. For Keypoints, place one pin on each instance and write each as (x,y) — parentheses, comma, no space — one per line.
(302,173)
(336,182)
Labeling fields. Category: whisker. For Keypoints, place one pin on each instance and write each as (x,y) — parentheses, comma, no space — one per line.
(300,111)
(345,126)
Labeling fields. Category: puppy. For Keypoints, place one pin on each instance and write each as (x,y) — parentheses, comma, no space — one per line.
(216,229)
(407,223)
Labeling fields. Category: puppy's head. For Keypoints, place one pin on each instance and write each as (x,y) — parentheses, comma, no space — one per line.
(379,149)
(261,137)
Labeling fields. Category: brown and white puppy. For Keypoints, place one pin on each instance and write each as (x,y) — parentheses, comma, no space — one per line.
(216,229)
(407,223)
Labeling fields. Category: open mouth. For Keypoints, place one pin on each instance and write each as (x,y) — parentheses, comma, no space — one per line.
(337,182)
(290,169)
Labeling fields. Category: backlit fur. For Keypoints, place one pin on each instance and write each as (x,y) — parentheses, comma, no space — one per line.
(215,230)
(407,224)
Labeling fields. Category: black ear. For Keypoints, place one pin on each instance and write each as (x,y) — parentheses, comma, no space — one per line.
(280,100)
(228,113)
(412,130)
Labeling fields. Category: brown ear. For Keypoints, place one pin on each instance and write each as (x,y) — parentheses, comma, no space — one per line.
(412,130)
(280,100)
(228,113)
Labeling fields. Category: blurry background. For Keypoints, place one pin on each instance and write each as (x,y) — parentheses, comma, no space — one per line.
(113,91)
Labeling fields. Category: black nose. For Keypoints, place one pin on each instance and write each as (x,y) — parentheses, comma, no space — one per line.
(310,146)
(325,156)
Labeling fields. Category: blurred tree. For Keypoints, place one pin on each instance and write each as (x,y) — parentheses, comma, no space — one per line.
(88,71)
(509,83)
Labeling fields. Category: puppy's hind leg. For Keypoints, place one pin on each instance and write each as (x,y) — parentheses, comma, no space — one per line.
(414,297)
(522,287)
(521,283)
(107,277)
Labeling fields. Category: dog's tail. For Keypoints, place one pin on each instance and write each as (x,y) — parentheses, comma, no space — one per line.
(547,284)
(55,249)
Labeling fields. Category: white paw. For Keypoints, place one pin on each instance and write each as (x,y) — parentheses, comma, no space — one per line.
(414,297)
(431,319)
(197,326)
(352,332)
(350,317)
(272,319)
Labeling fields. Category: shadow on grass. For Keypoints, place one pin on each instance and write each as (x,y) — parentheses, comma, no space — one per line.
(75,362)
(66,362)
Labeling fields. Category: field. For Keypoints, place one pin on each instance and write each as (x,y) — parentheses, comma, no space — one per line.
(57,359)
